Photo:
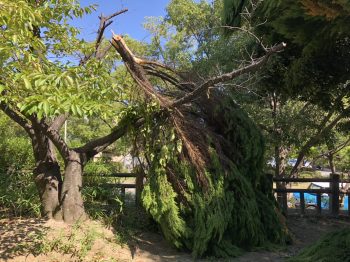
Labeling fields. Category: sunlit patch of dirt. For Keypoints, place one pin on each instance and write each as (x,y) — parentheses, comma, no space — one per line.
(38,240)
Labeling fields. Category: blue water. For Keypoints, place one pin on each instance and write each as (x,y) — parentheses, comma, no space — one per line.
(312,199)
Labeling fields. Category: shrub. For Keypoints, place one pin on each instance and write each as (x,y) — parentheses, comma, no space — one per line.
(18,194)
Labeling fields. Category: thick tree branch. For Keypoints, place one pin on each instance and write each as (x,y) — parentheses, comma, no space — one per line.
(136,70)
(58,122)
(134,66)
(229,76)
(98,145)
(56,139)
(17,118)
(316,138)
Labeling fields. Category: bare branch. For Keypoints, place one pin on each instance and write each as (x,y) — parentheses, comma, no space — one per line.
(105,21)
(229,76)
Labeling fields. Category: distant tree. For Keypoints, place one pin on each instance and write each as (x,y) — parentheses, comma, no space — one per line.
(315,66)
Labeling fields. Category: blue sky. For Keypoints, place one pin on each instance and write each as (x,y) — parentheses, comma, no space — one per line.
(128,23)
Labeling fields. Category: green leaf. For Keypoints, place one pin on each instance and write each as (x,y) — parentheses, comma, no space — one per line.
(80,113)
(27,83)
(74,109)
(70,80)
(46,107)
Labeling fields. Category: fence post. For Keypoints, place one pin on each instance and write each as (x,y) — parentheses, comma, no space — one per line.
(139,187)
(282,197)
(335,194)
(302,203)
(348,194)
(319,203)
(122,192)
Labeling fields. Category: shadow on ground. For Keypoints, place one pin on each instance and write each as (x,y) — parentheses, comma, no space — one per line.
(19,240)
(19,236)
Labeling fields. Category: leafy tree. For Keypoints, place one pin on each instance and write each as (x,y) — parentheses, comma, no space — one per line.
(314,67)
(39,94)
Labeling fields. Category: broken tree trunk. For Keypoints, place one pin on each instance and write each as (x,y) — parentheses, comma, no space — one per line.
(205,186)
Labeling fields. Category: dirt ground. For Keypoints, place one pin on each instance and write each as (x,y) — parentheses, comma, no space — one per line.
(17,242)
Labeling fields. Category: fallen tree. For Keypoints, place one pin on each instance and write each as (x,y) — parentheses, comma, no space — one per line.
(203,161)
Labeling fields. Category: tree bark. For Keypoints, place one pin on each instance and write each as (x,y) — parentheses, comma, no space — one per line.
(49,182)
(280,159)
(71,197)
(47,175)
(331,162)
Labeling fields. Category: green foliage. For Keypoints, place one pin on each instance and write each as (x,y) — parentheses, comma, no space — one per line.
(317,55)
(333,247)
(18,195)
(37,75)
(15,147)
(232,12)
(237,209)
(343,159)
(189,34)
(102,167)
(96,196)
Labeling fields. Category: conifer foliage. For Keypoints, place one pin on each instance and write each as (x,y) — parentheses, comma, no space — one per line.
(203,162)
(235,210)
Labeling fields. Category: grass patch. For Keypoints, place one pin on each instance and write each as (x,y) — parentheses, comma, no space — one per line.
(85,241)
(333,247)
